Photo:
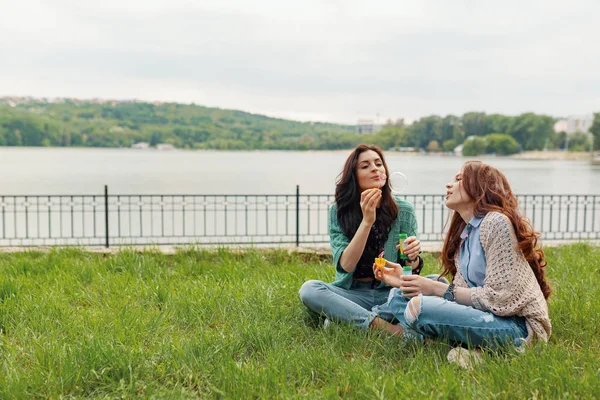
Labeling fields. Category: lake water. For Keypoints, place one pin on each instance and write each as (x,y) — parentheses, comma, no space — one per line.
(126,171)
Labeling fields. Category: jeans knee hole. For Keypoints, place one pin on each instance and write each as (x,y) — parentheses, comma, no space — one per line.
(413,310)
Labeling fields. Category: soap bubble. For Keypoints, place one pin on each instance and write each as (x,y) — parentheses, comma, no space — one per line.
(398,182)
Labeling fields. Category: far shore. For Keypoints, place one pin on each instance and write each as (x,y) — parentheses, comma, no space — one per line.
(526,155)
(554,155)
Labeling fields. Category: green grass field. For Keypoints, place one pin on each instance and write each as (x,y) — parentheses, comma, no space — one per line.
(220,324)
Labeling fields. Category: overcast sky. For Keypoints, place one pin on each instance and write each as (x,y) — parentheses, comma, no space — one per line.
(337,61)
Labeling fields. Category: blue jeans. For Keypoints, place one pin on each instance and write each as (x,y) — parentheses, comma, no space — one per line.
(353,306)
(357,306)
(456,323)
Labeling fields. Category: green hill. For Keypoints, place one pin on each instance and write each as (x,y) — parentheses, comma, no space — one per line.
(121,124)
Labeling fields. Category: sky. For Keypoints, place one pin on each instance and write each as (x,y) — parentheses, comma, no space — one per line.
(334,61)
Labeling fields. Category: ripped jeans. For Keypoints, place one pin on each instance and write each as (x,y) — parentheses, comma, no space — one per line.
(440,319)
(357,306)
(352,306)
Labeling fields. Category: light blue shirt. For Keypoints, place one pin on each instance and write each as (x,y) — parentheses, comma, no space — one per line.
(472,256)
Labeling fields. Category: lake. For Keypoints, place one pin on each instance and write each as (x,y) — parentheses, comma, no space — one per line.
(28,171)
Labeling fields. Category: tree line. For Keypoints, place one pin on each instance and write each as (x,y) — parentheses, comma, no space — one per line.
(121,124)
(481,133)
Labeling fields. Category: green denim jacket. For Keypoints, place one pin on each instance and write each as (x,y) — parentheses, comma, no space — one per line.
(406,222)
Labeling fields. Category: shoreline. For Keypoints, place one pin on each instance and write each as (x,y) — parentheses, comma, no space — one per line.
(537,155)
(553,155)
(526,155)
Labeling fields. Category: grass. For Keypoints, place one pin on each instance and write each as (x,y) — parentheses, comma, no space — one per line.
(221,324)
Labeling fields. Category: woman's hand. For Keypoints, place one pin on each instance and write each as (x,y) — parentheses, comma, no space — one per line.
(369,200)
(391,274)
(412,247)
(413,285)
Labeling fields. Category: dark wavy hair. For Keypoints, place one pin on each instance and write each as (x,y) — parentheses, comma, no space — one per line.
(490,190)
(347,196)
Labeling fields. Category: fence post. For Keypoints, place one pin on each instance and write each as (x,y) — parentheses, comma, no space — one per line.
(297,215)
(106,215)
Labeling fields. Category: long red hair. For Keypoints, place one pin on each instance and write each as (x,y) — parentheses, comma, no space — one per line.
(490,190)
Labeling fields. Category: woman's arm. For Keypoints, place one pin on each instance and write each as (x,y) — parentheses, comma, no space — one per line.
(413,285)
(409,225)
(355,248)
(369,200)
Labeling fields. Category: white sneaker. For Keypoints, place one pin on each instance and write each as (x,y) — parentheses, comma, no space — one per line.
(465,358)
(521,347)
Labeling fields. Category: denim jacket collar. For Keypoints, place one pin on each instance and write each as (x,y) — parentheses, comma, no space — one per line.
(473,223)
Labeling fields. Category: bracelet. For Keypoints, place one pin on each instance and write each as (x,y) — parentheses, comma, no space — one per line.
(417,271)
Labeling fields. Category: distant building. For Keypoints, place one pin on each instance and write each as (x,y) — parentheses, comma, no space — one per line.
(165,146)
(140,145)
(580,124)
(365,127)
(458,150)
(561,125)
(574,123)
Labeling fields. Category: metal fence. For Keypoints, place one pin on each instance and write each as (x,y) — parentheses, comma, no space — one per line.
(297,219)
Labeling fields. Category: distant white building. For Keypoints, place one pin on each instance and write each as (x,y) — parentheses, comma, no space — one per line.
(165,146)
(580,124)
(561,125)
(365,127)
(140,145)
(574,123)
(458,150)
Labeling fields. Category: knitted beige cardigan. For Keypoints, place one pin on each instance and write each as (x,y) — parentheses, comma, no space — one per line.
(510,287)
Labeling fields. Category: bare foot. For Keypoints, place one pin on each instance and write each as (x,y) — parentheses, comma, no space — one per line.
(382,325)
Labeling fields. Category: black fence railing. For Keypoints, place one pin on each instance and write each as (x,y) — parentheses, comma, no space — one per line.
(297,219)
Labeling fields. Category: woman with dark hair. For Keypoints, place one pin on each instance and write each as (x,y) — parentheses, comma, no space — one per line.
(499,292)
(364,221)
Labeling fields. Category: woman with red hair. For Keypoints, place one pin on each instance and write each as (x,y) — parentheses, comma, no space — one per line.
(499,291)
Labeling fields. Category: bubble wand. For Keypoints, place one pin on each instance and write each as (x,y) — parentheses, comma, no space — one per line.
(380,261)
